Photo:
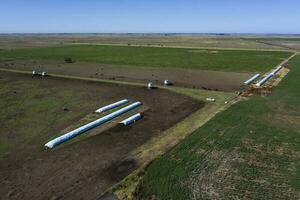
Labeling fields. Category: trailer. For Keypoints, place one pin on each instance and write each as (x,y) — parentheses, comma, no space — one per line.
(112,106)
(91,125)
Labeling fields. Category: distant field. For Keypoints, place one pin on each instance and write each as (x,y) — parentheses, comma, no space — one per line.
(250,151)
(283,42)
(198,41)
(219,60)
(179,41)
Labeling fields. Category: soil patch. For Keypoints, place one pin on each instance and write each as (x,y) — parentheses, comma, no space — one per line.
(85,168)
(201,79)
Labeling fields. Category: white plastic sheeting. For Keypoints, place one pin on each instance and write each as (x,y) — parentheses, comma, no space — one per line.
(90,125)
(253,78)
(276,70)
(266,78)
(112,106)
(131,119)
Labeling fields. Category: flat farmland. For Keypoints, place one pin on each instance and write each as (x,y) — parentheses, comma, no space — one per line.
(200,79)
(161,40)
(229,148)
(250,151)
(36,109)
(199,59)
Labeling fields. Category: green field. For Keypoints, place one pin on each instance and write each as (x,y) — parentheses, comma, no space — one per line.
(219,60)
(250,151)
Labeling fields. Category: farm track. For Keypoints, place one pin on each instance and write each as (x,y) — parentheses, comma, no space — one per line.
(201,79)
(289,58)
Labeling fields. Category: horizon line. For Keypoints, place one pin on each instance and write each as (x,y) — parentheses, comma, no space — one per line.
(145,33)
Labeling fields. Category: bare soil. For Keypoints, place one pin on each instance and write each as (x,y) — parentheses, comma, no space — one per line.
(201,79)
(86,168)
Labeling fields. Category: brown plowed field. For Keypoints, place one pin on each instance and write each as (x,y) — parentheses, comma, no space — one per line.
(85,168)
(201,79)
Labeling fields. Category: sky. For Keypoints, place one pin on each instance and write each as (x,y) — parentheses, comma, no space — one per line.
(150,16)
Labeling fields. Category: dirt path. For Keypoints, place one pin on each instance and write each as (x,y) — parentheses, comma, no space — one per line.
(289,58)
(201,79)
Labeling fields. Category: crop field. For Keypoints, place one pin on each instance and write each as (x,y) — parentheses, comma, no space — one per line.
(284,42)
(223,70)
(250,151)
(208,41)
(199,59)
(224,150)
(161,40)
(35,109)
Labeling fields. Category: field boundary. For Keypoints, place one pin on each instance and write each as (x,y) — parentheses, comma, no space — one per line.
(284,71)
(289,58)
(176,47)
(78,78)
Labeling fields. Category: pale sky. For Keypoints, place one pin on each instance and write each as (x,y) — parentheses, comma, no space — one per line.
(150,16)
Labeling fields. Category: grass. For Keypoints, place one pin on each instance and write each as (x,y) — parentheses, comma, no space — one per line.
(219,60)
(159,145)
(197,41)
(250,151)
(24,103)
